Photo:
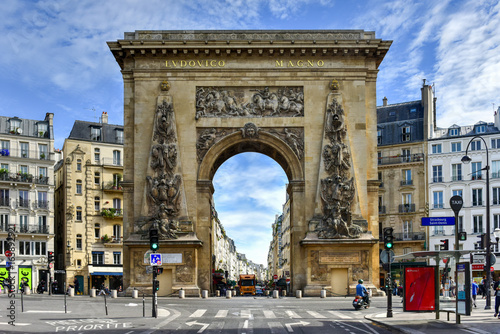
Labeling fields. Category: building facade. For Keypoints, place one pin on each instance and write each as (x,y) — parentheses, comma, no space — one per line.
(89,195)
(27,161)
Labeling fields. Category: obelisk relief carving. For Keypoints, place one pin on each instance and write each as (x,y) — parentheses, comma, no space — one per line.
(336,188)
(164,191)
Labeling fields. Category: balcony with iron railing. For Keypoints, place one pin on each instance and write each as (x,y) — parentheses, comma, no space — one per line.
(31,229)
(42,205)
(476,176)
(406,182)
(26,154)
(406,208)
(112,213)
(22,203)
(23,177)
(112,186)
(5,201)
(418,157)
(110,162)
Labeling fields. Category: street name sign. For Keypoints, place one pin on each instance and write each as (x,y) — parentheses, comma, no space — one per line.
(438,221)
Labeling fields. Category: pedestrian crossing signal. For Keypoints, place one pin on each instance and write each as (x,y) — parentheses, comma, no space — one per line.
(444,245)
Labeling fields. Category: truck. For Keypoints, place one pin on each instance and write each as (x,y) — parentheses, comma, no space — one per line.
(247,284)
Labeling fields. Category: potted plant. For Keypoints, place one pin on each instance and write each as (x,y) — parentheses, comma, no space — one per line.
(105,238)
(41,133)
(42,156)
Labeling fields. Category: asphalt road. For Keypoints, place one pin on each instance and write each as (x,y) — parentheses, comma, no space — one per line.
(242,315)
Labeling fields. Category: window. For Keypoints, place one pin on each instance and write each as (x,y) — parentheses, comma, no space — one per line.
(5,145)
(496,196)
(23,169)
(379,156)
(405,155)
(392,113)
(4,246)
(4,222)
(42,129)
(438,199)
(117,231)
(475,145)
(457,192)
(436,148)
(97,155)
(496,221)
(495,143)
(406,177)
(456,172)
(4,166)
(119,136)
(40,248)
(477,197)
(97,178)
(97,257)
(117,203)
(43,152)
(437,173)
(407,198)
(407,229)
(43,202)
(439,230)
(42,224)
(4,197)
(24,248)
(476,171)
(117,258)
(78,165)
(78,242)
(480,128)
(478,224)
(381,208)
(42,172)
(379,137)
(413,110)
(495,169)
(97,203)
(405,133)
(95,134)
(117,158)
(456,147)
(97,230)
(453,132)
(79,213)
(79,187)
(15,124)
(25,153)
(23,223)
(23,198)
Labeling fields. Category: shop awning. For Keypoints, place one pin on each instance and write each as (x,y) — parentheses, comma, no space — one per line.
(106,273)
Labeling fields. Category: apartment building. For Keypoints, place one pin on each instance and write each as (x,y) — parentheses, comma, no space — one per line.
(89,196)
(27,159)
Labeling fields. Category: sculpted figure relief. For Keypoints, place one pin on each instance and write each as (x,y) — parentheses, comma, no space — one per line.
(337,190)
(239,102)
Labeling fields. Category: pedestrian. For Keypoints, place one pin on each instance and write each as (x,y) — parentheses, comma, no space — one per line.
(496,289)
(475,288)
(483,283)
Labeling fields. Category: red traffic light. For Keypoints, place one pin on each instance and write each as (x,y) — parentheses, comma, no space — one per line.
(444,245)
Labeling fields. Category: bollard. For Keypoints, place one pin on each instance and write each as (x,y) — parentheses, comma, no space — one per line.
(323,293)
(204,294)
(266,292)
(182,294)
(71,292)
(228,294)
(275,293)
(92,293)
(27,290)
(135,293)
(298,293)
(283,293)
(114,294)
(217,293)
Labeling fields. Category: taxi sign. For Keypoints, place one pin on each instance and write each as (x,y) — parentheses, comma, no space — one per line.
(155,259)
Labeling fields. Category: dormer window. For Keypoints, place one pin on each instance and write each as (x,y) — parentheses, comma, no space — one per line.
(480,128)
(42,129)
(405,136)
(392,113)
(379,137)
(95,134)
(413,110)
(14,126)
(453,132)
(119,136)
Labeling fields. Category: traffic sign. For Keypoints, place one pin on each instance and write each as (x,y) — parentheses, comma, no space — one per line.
(51,265)
(438,221)
(275,276)
(456,203)
(155,259)
(387,256)
(8,253)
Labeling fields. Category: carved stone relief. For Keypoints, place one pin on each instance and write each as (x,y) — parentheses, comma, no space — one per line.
(294,137)
(249,102)
(337,190)
(185,273)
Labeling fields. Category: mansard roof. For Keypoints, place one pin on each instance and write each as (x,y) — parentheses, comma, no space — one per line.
(82,131)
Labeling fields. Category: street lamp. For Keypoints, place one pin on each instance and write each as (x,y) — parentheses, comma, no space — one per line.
(466,159)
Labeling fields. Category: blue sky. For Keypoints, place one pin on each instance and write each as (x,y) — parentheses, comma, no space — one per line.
(55,59)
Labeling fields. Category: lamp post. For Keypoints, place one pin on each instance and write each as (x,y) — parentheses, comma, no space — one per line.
(466,159)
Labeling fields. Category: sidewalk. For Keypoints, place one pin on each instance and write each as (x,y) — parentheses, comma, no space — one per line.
(480,321)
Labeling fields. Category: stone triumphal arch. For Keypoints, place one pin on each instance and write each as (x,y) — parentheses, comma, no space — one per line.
(193,99)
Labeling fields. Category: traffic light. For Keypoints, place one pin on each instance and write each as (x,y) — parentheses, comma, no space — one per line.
(153,239)
(50,257)
(156,285)
(388,238)
(444,245)
(462,236)
(159,270)
(481,244)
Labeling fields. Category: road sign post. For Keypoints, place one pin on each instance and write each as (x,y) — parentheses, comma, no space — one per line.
(456,203)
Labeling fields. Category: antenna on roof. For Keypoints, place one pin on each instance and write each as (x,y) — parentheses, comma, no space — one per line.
(96,119)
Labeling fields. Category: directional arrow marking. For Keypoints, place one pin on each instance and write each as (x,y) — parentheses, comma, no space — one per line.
(289,326)
(204,326)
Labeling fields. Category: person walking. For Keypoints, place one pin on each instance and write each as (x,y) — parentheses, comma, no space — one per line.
(496,291)
(475,288)
(483,284)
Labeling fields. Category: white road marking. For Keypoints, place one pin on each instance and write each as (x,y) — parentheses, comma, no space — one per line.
(245,324)
(198,314)
(16,323)
(316,315)
(203,326)
(276,328)
(269,314)
(221,314)
(246,314)
(293,315)
(45,311)
(289,326)
(339,315)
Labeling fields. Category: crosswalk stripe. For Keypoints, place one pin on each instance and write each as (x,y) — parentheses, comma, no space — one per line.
(339,315)
(293,315)
(198,313)
(269,314)
(221,314)
(246,314)
(316,315)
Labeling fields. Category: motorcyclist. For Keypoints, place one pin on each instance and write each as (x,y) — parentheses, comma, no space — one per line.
(361,291)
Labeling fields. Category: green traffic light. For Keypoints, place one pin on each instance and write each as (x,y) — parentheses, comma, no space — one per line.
(154,246)
(388,245)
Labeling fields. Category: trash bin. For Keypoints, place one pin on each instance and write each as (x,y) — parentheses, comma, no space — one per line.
(114,293)
(92,293)
(135,293)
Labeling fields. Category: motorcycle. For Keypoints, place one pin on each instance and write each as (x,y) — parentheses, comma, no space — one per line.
(359,303)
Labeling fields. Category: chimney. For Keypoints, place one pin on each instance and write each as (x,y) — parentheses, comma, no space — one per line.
(385,101)
(104,117)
